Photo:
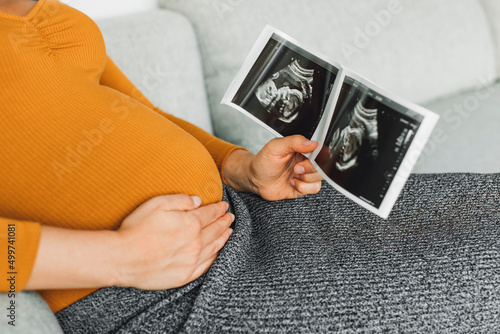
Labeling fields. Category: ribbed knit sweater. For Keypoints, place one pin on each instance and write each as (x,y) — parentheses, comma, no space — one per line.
(81,147)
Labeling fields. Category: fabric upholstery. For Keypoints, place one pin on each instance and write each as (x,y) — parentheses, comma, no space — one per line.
(427,50)
(33,315)
(492,9)
(158,51)
(467,136)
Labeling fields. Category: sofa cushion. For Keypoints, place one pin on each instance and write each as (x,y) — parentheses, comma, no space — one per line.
(33,315)
(492,9)
(418,49)
(98,9)
(158,51)
(466,138)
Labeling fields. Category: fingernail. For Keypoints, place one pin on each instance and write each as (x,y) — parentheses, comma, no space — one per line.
(300,170)
(232,218)
(227,206)
(231,232)
(308,142)
(292,183)
(196,200)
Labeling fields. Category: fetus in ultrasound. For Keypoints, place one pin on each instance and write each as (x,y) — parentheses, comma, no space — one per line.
(287,91)
(360,135)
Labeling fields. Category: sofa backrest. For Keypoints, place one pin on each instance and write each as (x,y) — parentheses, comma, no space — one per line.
(159,53)
(420,50)
(492,9)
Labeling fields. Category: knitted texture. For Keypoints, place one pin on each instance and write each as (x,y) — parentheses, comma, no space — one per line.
(323,264)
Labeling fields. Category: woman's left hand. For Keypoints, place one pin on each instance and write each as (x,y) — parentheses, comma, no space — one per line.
(279,171)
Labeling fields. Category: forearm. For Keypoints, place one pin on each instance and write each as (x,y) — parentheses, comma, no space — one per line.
(71,259)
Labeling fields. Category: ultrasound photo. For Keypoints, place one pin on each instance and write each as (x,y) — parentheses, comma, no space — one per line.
(369,138)
(287,88)
(366,142)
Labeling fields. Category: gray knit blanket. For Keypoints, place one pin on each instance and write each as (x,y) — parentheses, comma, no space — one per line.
(322,264)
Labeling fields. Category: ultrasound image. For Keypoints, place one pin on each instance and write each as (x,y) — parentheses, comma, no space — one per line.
(366,142)
(287,88)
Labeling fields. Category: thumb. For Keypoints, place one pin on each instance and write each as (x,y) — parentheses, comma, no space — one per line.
(292,144)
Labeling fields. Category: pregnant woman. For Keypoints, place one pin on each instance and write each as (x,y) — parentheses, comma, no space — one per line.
(128,219)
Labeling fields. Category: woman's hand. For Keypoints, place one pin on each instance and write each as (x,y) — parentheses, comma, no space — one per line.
(166,242)
(170,241)
(279,171)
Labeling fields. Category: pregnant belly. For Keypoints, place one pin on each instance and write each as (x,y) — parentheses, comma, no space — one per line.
(91,168)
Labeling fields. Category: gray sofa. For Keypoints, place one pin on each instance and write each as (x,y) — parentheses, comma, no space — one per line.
(444,55)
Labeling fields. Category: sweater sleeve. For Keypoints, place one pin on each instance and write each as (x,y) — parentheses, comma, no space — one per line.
(19,241)
(219,149)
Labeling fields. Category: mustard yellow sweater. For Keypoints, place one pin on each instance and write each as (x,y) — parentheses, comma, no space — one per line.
(81,147)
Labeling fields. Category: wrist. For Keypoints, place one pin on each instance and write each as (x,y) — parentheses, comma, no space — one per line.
(116,276)
(123,269)
(237,171)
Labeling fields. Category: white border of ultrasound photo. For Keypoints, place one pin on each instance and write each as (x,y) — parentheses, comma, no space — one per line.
(423,133)
(250,61)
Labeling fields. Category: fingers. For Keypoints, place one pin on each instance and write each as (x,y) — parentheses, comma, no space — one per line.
(304,167)
(306,188)
(311,178)
(214,230)
(216,245)
(209,254)
(210,213)
(202,268)
(306,172)
(214,237)
(292,144)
